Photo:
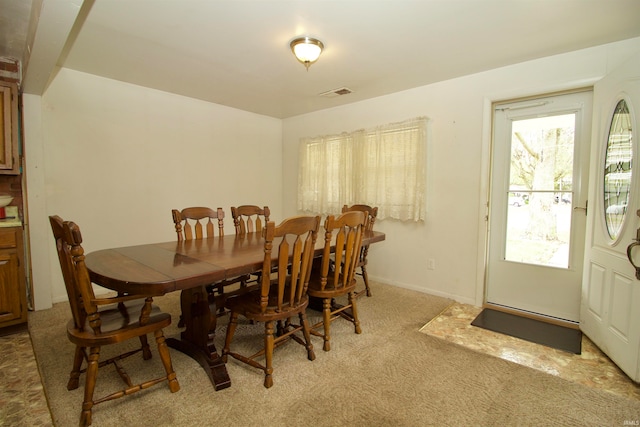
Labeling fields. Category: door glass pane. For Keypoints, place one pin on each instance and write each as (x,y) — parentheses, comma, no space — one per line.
(617,169)
(540,191)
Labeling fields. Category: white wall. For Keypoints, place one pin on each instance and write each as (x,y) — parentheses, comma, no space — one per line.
(454,233)
(116,158)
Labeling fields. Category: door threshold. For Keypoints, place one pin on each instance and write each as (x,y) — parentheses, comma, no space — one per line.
(531,315)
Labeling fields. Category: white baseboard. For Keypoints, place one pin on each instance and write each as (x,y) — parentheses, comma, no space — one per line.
(457,298)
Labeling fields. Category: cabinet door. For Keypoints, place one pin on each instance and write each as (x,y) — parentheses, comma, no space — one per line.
(10,298)
(9,128)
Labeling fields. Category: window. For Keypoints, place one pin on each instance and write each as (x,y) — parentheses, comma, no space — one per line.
(618,169)
(383,167)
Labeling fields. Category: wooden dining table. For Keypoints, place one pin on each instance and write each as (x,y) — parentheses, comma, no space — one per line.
(156,269)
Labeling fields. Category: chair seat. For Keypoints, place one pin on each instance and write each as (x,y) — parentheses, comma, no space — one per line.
(116,324)
(248,305)
(315,290)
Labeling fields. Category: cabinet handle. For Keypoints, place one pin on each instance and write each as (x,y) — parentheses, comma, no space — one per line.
(3,262)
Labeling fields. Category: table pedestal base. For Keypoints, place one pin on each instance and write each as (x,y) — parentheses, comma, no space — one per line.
(196,341)
(212,364)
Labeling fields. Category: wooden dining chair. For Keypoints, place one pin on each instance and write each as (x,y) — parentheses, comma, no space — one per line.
(249,218)
(196,223)
(94,324)
(371,213)
(279,298)
(331,279)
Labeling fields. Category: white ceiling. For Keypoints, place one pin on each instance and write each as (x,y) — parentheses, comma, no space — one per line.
(236,52)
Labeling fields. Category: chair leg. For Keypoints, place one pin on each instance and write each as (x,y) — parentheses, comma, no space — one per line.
(74,377)
(311,355)
(365,277)
(166,361)
(146,351)
(326,320)
(282,327)
(90,384)
(268,353)
(231,329)
(354,312)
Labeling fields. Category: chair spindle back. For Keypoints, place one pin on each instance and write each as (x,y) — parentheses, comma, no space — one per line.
(250,218)
(294,261)
(197,223)
(348,229)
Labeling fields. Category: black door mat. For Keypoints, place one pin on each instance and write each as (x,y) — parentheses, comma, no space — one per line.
(535,331)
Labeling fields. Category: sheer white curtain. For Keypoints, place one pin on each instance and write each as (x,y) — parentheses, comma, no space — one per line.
(383,167)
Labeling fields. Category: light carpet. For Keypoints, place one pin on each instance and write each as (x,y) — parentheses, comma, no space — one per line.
(390,375)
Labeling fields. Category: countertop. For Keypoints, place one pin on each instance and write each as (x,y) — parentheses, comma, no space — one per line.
(12,219)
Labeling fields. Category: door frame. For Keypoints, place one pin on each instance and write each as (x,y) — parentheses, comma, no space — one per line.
(485,189)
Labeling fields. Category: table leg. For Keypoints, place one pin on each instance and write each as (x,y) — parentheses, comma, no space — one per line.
(196,340)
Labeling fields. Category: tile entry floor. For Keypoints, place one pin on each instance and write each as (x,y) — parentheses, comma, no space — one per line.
(591,368)
(22,398)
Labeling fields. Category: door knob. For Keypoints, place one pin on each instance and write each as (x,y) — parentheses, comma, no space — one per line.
(629,250)
(636,242)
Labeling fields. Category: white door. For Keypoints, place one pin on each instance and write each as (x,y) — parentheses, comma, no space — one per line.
(537,213)
(610,308)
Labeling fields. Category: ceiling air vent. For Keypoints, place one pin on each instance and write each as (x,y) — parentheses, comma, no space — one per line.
(336,92)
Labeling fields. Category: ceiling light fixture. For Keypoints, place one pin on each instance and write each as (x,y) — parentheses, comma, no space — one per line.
(307,50)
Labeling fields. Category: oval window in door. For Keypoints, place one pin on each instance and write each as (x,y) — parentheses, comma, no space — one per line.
(617,169)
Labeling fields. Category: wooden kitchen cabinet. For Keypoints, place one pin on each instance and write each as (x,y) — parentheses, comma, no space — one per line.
(9,162)
(13,295)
